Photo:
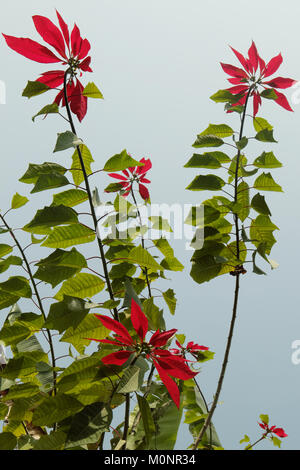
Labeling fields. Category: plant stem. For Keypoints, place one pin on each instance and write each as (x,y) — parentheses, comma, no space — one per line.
(88,189)
(126,422)
(145,270)
(40,304)
(236,294)
(256,442)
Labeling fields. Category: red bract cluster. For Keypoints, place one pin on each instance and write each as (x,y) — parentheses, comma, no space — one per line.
(135,174)
(272,430)
(253,75)
(167,364)
(73,52)
(191,348)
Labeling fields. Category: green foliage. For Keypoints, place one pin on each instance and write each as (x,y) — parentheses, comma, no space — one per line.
(92,91)
(215,239)
(121,161)
(34,88)
(48,109)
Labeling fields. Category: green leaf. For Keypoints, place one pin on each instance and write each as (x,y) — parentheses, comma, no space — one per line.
(160,224)
(206,182)
(70,312)
(130,380)
(60,265)
(243,200)
(65,140)
(18,201)
(142,257)
(242,143)
(261,231)
(170,300)
(207,141)
(265,182)
(70,198)
(205,160)
(206,157)
(34,88)
(245,439)
(8,441)
(113,187)
(83,372)
(10,261)
(48,109)
(54,409)
(34,171)
(52,216)
(276,441)
(88,425)
(167,423)
(82,285)
(7,299)
(196,412)
(171,264)
(129,295)
(219,130)
(265,135)
(13,334)
(269,93)
(164,247)
(205,269)
(76,169)
(5,249)
(19,367)
(92,91)
(147,418)
(49,181)
(52,441)
(195,216)
(264,418)
(267,160)
(90,327)
(259,204)
(222,96)
(121,270)
(17,285)
(121,161)
(260,123)
(75,234)
(154,315)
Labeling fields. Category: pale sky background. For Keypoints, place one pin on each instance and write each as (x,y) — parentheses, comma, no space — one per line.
(157,63)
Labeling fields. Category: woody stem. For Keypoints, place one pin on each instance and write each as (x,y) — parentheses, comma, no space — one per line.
(89,193)
(145,270)
(236,296)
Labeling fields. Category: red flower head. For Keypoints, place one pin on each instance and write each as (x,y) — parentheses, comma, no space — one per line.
(272,430)
(253,75)
(73,52)
(135,174)
(191,348)
(167,364)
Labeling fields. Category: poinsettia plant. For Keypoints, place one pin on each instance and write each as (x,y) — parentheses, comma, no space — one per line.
(236,226)
(89,283)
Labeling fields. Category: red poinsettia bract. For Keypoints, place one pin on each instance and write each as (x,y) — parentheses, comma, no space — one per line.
(254,74)
(135,174)
(167,364)
(73,52)
(272,430)
(191,348)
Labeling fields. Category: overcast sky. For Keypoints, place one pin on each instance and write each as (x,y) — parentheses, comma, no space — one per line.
(157,63)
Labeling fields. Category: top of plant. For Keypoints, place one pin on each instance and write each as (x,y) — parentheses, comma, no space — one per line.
(73,51)
(253,76)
